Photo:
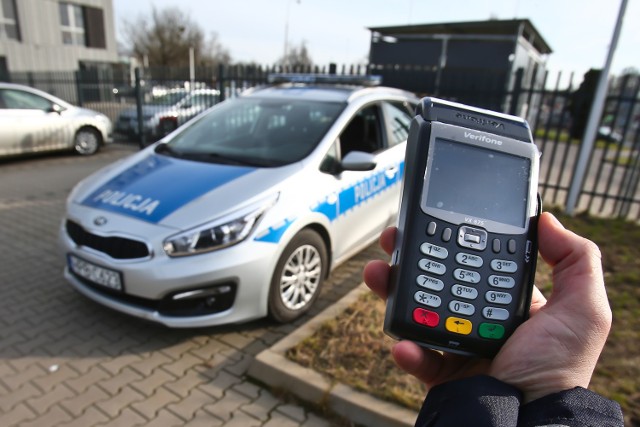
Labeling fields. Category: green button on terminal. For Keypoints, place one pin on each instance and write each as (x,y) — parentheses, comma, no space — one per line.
(491,330)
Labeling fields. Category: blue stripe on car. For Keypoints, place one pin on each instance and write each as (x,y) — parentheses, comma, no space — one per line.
(328,209)
(274,234)
(158,186)
(367,188)
(348,198)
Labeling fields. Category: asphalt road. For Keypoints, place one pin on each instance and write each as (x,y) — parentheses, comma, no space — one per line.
(66,361)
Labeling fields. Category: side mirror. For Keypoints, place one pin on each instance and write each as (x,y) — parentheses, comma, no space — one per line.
(358,161)
(55,108)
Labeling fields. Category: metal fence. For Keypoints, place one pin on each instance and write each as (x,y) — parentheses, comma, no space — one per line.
(611,186)
(166,98)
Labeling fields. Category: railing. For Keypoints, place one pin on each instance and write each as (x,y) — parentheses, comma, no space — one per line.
(611,187)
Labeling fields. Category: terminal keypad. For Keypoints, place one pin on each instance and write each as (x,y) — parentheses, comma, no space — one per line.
(465,298)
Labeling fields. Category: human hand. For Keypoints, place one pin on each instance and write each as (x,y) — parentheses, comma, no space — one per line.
(556,349)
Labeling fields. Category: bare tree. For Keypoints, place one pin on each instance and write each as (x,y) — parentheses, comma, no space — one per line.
(297,57)
(164,39)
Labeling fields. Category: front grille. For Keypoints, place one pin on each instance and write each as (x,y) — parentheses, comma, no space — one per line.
(115,247)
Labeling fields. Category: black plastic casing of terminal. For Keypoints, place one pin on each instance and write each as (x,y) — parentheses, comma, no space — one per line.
(431,116)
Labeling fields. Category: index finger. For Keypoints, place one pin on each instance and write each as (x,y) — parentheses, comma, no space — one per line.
(376,277)
(388,239)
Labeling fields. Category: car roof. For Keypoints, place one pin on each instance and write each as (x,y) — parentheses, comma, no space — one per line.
(4,85)
(304,91)
(325,87)
(324,92)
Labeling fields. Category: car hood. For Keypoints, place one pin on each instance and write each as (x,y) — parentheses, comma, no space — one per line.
(177,193)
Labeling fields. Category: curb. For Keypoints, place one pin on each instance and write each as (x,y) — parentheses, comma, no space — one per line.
(272,368)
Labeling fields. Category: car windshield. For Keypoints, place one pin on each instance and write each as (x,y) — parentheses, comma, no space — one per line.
(167,98)
(252,131)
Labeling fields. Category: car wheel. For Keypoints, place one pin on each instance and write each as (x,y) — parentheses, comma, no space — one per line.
(86,142)
(298,277)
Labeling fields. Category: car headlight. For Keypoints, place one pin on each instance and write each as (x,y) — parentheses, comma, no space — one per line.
(219,234)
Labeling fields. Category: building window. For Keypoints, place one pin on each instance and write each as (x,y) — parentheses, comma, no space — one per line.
(82,25)
(94,19)
(9,21)
(72,23)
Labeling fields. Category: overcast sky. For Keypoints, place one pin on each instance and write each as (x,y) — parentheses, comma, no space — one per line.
(578,31)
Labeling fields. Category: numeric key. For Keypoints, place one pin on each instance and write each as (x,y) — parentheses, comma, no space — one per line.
(434,251)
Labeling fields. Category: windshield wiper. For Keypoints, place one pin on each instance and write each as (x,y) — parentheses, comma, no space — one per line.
(235,160)
(164,148)
(214,157)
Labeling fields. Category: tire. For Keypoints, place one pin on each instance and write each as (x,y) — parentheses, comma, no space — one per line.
(298,277)
(86,142)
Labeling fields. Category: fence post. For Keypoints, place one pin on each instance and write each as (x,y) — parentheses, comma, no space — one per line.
(630,188)
(138,92)
(589,137)
(517,90)
(78,76)
(221,81)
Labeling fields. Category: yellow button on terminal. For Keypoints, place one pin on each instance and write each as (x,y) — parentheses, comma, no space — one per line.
(458,325)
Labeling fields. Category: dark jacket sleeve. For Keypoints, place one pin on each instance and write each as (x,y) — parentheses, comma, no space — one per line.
(577,407)
(485,401)
(477,401)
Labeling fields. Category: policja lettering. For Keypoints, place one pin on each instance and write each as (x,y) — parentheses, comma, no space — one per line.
(133,202)
(369,187)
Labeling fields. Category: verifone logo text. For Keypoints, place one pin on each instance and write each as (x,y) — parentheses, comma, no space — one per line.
(482,138)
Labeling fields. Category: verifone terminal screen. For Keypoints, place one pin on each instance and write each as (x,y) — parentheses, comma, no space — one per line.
(482,183)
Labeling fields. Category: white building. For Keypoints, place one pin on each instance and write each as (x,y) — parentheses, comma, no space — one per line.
(56,35)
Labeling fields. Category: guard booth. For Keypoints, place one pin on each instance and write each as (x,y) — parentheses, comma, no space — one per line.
(477,63)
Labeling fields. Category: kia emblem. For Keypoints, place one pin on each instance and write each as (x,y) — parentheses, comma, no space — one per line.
(100,220)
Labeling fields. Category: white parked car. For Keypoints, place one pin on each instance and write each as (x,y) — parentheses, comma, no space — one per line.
(245,210)
(609,135)
(164,113)
(34,121)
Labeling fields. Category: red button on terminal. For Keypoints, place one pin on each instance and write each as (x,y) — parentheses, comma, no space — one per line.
(426,317)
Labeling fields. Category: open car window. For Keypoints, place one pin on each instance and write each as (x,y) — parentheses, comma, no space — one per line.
(363,133)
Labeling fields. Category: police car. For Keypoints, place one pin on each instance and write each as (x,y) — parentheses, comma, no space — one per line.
(245,210)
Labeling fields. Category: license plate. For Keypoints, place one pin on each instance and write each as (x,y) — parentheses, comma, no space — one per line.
(95,274)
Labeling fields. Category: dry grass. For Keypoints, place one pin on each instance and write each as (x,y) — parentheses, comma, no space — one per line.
(353,350)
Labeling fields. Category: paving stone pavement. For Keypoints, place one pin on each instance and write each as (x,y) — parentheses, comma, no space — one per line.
(66,361)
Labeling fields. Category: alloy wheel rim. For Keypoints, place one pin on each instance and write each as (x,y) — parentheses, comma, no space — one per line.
(300,277)
(87,143)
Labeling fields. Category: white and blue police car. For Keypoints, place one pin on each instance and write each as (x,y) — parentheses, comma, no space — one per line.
(245,210)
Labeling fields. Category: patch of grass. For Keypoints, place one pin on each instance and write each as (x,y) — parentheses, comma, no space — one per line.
(553,134)
(352,349)
(562,135)
(625,158)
